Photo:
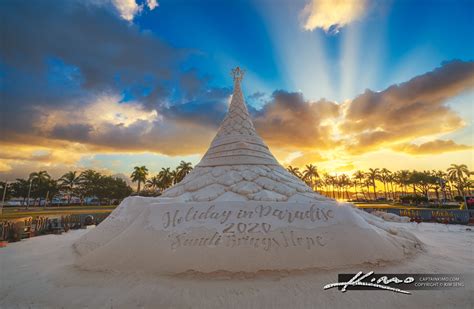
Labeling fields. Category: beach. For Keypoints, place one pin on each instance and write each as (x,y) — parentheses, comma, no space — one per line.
(39,273)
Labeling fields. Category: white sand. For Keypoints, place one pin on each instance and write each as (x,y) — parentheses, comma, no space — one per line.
(39,273)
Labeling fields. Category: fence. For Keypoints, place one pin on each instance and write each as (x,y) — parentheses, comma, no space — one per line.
(454,216)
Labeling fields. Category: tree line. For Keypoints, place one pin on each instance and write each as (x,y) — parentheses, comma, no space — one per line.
(446,185)
(449,185)
(89,183)
(163,180)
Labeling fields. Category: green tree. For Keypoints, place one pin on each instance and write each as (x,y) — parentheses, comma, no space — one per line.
(139,175)
(68,182)
(166,178)
(372,175)
(311,175)
(384,177)
(183,169)
(7,189)
(111,188)
(459,174)
(37,183)
(358,177)
(153,183)
(20,189)
(344,182)
(89,184)
(295,171)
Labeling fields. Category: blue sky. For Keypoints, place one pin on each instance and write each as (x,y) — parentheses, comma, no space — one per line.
(395,41)
(109,84)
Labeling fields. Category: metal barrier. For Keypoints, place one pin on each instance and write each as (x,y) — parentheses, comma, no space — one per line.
(18,229)
(454,216)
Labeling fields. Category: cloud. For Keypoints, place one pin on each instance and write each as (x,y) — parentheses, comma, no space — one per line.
(432,147)
(291,122)
(128,9)
(309,157)
(152,4)
(345,168)
(401,113)
(331,15)
(74,132)
(108,125)
(99,81)
(92,51)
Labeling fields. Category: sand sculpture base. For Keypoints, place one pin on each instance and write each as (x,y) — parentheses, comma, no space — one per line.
(161,236)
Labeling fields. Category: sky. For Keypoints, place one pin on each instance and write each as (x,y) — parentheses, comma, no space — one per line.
(344,85)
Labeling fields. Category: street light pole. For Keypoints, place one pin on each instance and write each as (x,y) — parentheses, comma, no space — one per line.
(3,198)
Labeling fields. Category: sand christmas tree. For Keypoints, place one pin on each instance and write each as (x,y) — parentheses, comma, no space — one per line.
(239,210)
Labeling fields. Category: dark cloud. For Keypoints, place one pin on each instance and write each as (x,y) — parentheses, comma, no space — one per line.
(208,109)
(417,107)
(73,132)
(58,53)
(62,56)
(290,121)
(41,156)
(192,85)
(433,147)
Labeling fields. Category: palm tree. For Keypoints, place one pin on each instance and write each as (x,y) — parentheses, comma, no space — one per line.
(391,179)
(166,178)
(358,178)
(443,179)
(294,170)
(403,179)
(20,188)
(344,182)
(440,184)
(310,174)
(459,174)
(139,175)
(153,183)
(333,182)
(68,182)
(182,170)
(174,176)
(372,175)
(327,182)
(384,177)
(40,178)
(88,184)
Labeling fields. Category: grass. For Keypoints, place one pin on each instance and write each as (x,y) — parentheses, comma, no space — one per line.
(10,213)
(373,205)
(20,212)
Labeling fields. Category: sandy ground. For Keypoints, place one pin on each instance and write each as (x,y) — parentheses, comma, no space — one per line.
(38,273)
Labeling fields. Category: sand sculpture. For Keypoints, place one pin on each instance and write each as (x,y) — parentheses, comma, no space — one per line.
(239,210)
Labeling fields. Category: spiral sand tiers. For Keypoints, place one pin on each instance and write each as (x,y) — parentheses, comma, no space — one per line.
(239,210)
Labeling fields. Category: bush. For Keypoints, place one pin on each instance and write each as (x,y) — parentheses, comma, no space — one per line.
(413,199)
